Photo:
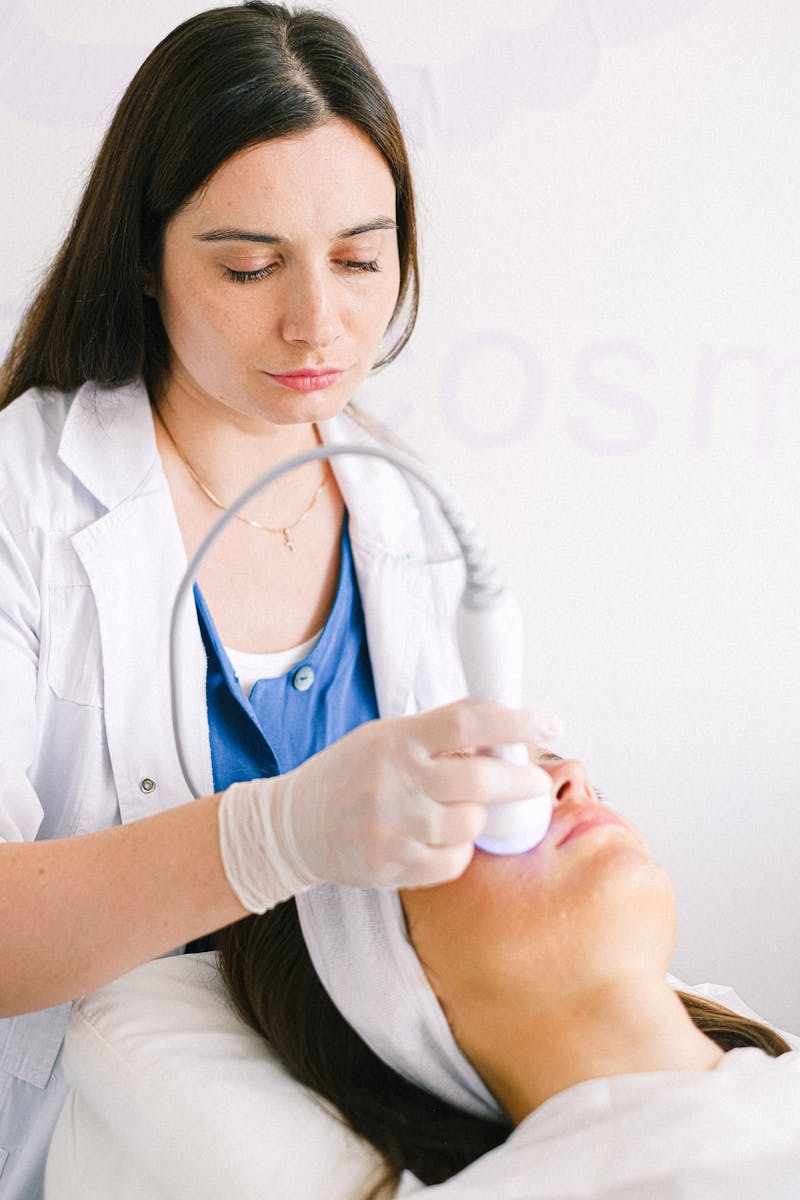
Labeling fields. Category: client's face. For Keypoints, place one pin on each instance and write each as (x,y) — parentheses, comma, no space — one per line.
(584,908)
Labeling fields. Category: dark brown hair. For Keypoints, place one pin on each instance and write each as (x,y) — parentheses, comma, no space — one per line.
(274,986)
(224,80)
(729,1029)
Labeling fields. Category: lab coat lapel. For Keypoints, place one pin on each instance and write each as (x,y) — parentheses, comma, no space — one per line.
(134,558)
(134,574)
(392,553)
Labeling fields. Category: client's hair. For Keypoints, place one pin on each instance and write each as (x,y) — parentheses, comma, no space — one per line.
(272,980)
(273,983)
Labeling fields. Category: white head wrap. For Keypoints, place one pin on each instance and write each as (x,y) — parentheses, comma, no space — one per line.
(361,952)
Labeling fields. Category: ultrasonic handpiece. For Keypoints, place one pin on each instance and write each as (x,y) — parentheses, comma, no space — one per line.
(491,646)
(488,624)
(490,643)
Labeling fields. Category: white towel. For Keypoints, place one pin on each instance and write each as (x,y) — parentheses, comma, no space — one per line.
(360,949)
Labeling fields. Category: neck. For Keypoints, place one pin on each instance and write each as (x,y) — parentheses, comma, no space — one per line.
(231,444)
(625,1027)
(227,449)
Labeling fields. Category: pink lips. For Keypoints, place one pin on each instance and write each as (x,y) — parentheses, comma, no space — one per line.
(311,380)
(602,816)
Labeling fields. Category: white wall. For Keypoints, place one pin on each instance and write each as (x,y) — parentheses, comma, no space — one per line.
(606,365)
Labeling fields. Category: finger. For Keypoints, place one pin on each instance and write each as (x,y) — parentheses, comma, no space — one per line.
(432,865)
(468,724)
(429,823)
(551,727)
(454,824)
(483,780)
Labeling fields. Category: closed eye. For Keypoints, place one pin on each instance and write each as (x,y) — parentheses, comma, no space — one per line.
(358,266)
(249,276)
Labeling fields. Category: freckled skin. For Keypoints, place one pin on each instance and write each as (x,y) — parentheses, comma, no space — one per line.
(304,303)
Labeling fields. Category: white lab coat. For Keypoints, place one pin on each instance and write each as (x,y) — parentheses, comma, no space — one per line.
(90,559)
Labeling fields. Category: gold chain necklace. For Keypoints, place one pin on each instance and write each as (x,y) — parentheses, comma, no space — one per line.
(286,530)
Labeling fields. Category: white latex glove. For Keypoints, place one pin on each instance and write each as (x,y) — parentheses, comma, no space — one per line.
(392,804)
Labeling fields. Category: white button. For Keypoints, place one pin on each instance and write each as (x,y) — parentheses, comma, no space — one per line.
(303,678)
(147,785)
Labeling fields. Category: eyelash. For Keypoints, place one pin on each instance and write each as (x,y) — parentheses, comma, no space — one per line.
(361,267)
(248,276)
(358,268)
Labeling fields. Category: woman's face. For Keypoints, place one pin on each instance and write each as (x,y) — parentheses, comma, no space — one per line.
(280,276)
(586,906)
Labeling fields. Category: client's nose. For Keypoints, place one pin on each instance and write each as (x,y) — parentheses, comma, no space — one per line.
(570,782)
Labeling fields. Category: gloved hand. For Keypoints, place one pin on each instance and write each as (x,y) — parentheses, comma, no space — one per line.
(394,803)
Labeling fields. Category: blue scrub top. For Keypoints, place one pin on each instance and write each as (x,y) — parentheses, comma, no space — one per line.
(286,720)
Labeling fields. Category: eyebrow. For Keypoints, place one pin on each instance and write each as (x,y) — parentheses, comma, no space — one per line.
(232,234)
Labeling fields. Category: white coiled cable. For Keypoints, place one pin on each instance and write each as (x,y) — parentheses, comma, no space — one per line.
(488,627)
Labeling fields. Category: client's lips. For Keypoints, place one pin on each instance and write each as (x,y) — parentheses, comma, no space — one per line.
(309,379)
(585,819)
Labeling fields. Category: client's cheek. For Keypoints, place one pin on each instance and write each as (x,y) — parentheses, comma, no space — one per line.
(450,937)
(481,933)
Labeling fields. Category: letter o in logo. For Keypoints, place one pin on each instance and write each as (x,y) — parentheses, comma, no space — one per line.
(514,422)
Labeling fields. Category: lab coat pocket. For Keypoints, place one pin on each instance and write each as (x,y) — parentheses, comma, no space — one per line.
(74,661)
(33,1042)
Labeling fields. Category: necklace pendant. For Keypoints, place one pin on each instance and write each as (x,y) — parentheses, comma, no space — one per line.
(287,540)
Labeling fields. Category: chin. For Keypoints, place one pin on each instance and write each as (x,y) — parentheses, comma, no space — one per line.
(627,856)
(633,878)
(312,413)
(305,409)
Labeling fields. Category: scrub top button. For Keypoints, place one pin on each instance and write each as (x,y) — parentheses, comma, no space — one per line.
(147,785)
(303,678)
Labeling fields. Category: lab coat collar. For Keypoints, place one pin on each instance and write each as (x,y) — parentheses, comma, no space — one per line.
(108,441)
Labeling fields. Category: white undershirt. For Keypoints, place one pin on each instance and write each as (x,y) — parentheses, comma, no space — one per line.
(250,668)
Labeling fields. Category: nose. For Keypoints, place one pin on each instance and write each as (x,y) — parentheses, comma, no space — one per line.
(570,782)
(312,312)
